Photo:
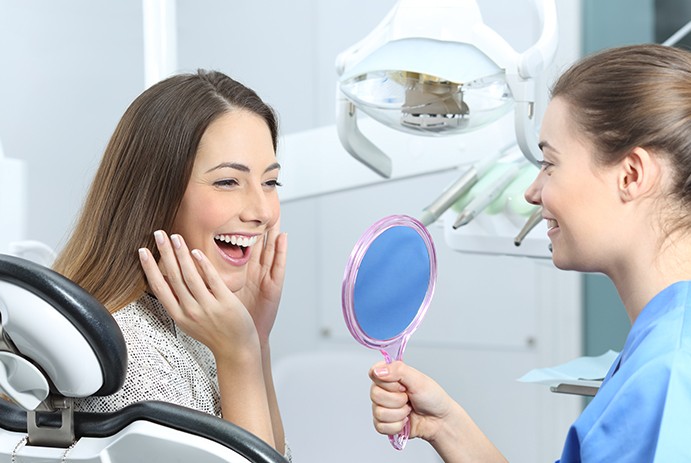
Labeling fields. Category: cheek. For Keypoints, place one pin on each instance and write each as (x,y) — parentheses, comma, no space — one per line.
(213,212)
(549,200)
(275,214)
(562,198)
(197,221)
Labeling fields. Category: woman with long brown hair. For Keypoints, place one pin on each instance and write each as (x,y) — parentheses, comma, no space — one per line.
(179,239)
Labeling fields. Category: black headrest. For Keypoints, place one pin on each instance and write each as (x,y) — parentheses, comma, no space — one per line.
(89,317)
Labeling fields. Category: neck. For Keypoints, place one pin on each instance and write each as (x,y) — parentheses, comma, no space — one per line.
(645,274)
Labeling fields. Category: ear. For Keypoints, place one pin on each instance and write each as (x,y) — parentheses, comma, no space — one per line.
(638,175)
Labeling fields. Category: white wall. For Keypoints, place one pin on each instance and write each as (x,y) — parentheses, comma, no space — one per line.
(71,67)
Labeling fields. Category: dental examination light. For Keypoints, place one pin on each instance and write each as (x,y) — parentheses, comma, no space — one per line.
(432,67)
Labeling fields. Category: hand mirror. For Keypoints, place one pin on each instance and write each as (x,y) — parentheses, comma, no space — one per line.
(387,286)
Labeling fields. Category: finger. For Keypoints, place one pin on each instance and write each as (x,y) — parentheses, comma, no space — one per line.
(280,255)
(190,272)
(157,282)
(388,398)
(262,253)
(213,280)
(390,415)
(269,247)
(387,423)
(390,386)
(410,379)
(389,429)
(257,250)
(386,375)
(272,235)
(171,267)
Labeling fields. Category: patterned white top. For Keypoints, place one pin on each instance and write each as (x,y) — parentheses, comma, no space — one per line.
(163,364)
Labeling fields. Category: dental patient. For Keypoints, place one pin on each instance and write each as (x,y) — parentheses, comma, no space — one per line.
(179,238)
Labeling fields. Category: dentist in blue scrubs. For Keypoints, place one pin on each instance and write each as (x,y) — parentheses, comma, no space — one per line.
(615,188)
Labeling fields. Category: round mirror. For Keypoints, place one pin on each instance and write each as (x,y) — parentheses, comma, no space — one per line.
(388,285)
(391,283)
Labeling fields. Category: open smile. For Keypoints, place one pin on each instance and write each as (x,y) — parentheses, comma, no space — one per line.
(235,249)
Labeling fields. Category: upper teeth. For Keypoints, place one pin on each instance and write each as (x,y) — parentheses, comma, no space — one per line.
(551,223)
(237,240)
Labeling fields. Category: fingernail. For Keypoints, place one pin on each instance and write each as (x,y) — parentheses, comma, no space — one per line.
(383,371)
(176,241)
(159,237)
(143,255)
(197,254)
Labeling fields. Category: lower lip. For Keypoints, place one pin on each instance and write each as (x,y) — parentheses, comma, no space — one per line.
(236,262)
(552,231)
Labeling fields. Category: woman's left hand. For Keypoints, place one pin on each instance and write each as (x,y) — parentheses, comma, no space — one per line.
(265,274)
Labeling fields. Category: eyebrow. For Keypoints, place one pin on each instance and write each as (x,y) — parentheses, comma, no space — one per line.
(543,144)
(241,167)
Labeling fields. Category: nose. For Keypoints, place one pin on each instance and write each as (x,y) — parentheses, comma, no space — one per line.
(533,194)
(258,206)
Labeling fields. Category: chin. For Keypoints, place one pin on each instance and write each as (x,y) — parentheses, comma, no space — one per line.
(234,281)
(234,284)
(564,263)
(561,262)
(560,265)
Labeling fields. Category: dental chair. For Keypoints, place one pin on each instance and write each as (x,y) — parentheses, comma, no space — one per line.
(58,343)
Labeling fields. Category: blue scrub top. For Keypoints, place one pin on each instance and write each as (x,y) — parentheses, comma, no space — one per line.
(642,412)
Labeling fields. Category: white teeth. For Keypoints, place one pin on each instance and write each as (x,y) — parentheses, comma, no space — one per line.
(237,240)
(551,223)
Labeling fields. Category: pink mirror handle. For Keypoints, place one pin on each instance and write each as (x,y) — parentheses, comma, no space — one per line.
(399,440)
(391,352)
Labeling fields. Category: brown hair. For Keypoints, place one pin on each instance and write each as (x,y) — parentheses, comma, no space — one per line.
(142,178)
(638,95)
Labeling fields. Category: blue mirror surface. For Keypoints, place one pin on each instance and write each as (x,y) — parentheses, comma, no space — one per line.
(392,282)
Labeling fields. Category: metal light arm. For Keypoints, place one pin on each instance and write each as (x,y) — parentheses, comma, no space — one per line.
(355,142)
(534,60)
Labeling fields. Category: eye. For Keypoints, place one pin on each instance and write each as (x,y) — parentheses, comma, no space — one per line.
(544,165)
(226,183)
(273,183)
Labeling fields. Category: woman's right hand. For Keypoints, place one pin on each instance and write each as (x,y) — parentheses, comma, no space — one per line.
(400,393)
(195,296)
